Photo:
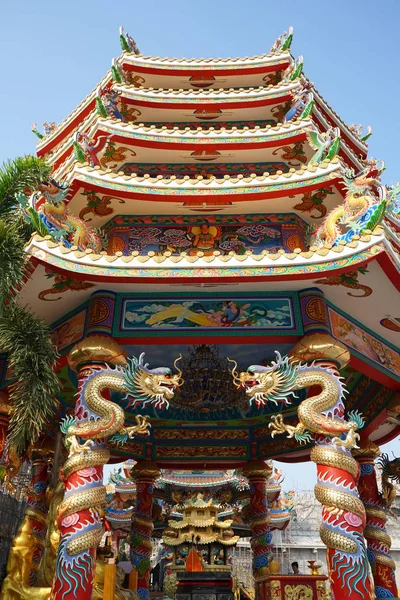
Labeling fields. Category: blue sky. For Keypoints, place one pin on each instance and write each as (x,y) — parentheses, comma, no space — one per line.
(54,53)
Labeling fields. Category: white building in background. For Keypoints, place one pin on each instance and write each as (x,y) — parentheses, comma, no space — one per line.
(300,542)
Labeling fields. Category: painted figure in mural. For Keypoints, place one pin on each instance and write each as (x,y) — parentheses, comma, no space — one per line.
(221,313)
(204,239)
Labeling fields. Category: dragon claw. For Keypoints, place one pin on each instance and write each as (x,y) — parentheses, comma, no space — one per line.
(76,447)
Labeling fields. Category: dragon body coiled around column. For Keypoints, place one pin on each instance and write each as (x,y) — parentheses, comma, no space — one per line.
(377,506)
(97,419)
(321,417)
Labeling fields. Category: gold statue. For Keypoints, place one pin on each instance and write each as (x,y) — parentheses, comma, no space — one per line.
(16,584)
(48,563)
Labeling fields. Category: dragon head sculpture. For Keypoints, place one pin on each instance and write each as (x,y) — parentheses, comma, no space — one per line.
(267,384)
(51,191)
(390,468)
(151,386)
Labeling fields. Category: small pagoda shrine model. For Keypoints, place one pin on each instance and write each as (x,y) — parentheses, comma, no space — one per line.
(200,532)
(216,213)
(202,544)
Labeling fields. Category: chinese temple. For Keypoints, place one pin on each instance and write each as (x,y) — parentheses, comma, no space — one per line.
(218,259)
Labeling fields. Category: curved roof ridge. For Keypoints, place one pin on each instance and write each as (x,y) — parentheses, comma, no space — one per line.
(267,58)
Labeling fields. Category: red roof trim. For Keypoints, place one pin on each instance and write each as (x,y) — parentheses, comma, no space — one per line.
(211,199)
(200,105)
(209,70)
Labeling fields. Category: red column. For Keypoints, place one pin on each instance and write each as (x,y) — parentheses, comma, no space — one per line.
(258,473)
(378,541)
(80,514)
(145,473)
(343,513)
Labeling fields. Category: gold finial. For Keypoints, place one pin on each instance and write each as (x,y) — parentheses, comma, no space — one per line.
(257,468)
(145,469)
(366,449)
(96,348)
(321,347)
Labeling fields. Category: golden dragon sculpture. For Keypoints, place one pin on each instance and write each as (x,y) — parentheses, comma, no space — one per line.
(320,416)
(97,419)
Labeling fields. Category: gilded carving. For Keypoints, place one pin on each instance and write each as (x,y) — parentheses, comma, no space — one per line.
(275,589)
(201,452)
(298,592)
(201,434)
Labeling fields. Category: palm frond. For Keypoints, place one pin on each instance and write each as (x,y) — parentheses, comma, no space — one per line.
(18,175)
(12,260)
(31,358)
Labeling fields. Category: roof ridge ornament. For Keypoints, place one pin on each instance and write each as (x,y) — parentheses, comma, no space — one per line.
(358,131)
(116,71)
(361,211)
(326,145)
(48,128)
(302,104)
(293,71)
(128,44)
(283,42)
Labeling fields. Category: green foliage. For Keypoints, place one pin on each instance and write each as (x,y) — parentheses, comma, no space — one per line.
(31,357)
(12,261)
(37,222)
(18,175)
(100,108)
(124,44)
(23,336)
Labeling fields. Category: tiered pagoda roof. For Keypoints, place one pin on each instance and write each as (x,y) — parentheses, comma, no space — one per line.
(230,176)
(202,525)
